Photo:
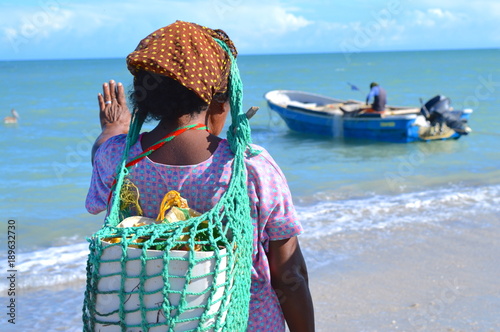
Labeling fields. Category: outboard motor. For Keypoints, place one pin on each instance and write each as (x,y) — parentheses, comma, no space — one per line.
(438,112)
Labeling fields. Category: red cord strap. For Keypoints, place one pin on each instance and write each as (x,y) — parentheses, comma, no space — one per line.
(158,145)
(164,140)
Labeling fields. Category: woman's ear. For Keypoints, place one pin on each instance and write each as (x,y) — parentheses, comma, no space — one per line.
(216,107)
(216,116)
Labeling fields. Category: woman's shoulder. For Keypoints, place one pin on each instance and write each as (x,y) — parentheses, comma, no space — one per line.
(115,142)
(257,158)
(260,162)
(258,154)
(111,151)
(254,155)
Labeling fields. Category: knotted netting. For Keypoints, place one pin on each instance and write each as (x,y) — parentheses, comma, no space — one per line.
(155,277)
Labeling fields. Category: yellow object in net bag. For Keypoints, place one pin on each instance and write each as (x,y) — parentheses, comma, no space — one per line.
(173,208)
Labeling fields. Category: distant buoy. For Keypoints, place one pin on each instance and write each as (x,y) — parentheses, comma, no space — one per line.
(13,118)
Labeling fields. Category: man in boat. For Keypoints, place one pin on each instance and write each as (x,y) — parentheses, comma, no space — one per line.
(379,97)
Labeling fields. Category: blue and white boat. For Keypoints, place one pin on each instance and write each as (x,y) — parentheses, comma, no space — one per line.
(316,114)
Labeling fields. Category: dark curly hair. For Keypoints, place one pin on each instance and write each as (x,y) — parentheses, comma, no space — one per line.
(157,97)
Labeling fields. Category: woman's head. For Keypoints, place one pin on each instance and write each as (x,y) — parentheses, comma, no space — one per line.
(159,97)
(180,69)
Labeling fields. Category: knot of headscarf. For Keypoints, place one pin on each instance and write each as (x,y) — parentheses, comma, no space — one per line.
(188,53)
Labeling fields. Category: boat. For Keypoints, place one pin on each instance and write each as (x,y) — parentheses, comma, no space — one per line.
(317,114)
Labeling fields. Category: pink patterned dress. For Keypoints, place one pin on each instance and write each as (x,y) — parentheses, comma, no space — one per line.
(272,210)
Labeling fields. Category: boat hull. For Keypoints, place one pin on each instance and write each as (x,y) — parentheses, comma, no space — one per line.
(302,121)
(397,129)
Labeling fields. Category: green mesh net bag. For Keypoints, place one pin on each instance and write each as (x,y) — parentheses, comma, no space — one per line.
(153,278)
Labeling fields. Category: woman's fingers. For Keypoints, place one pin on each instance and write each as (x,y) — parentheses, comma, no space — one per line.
(120,94)
(112,90)
(100,101)
(106,93)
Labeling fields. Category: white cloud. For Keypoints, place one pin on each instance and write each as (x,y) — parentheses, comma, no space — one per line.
(256,18)
(26,28)
(287,22)
(435,17)
(33,23)
(258,27)
(489,8)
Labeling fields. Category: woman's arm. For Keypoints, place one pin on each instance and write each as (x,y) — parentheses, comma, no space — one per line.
(290,281)
(114,115)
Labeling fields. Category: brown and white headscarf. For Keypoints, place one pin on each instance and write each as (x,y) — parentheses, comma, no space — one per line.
(188,53)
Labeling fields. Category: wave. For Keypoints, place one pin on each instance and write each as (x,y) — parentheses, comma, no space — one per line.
(50,267)
(437,206)
(66,264)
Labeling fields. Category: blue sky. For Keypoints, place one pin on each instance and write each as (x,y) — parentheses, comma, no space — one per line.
(62,29)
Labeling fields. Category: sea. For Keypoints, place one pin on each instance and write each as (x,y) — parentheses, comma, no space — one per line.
(345,191)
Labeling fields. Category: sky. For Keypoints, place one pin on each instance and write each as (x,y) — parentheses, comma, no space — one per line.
(63,29)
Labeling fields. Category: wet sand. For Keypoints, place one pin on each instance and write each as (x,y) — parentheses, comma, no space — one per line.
(436,279)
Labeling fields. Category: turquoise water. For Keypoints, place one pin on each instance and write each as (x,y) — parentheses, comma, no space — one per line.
(339,186)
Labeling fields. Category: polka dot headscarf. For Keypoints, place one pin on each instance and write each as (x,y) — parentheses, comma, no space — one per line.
(188,53)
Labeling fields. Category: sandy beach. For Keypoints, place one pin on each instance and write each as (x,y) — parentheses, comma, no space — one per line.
(435,281)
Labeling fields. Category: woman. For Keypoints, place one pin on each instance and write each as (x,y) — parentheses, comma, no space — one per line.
(181,78)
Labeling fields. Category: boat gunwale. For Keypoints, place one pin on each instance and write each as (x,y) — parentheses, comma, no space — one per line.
(295,108)
(324,114)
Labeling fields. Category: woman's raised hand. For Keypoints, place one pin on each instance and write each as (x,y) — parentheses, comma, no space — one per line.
(113,113)
(113,110)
